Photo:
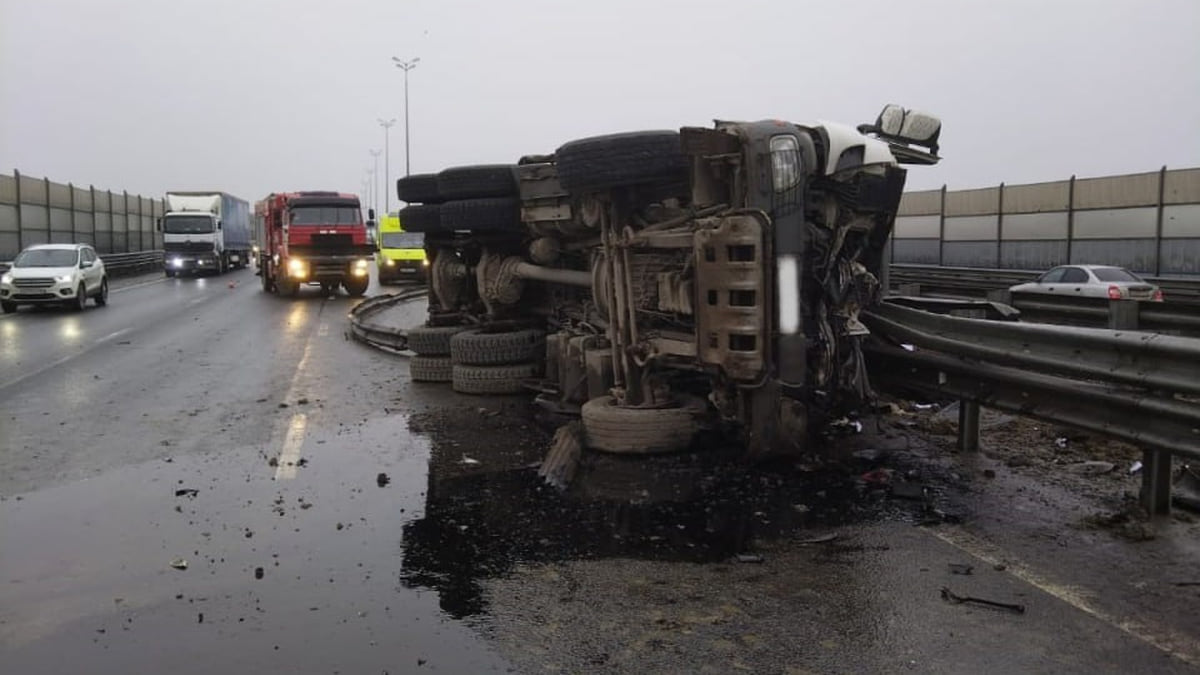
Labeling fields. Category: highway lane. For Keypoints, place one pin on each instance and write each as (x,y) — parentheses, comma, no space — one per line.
(299,559)
(265,408)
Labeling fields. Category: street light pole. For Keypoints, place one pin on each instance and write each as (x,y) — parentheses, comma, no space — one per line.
(375,179)
(387,154)
(406,66)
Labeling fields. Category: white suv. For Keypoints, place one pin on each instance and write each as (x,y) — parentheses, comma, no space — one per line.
(54,273)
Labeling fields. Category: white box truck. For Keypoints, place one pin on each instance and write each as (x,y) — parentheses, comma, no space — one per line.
(205,232)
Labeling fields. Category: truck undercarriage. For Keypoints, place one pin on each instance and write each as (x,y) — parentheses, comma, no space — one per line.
(658,283)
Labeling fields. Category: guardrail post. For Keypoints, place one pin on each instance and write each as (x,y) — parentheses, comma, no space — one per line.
(968,426)
(1156,482)
(1123,314)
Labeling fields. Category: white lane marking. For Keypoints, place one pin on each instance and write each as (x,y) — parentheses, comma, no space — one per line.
(289,454)
(1182,647)
(58,362)
(293,435)
(323,330)
(196,301)
(133,286)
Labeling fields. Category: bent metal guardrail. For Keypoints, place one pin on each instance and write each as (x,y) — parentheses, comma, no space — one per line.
(1136,387)
(365,329)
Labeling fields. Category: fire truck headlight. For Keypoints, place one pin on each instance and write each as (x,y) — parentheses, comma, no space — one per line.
(297,268)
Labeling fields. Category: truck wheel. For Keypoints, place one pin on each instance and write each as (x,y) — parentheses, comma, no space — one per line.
(423,218)
(481,180)
(420,188)
(356,286)
(8,307)
(432,340)
(477,348)
(613,428)
(616,160)
(430,369)
(492,214)
(266,280)
(493,379)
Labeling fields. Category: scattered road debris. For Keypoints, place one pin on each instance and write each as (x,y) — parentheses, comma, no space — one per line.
(821,539)
(187,492)
(749,558)
(382,480)
(915,491)
(468,461)
(949,596)
(1185,491)
(179,564)
(960,568)
(1092,468)
(258,572)
(559,467)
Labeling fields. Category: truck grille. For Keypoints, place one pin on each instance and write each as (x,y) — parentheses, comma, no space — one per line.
(332,241)
(33,282)
(188,247)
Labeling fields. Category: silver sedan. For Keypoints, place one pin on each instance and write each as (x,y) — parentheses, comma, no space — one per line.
(1091,281)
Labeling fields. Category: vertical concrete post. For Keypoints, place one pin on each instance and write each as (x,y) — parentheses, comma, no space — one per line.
(1123,314)
(1070,220)
(968,426)
(92,193)
(942,229)
(1158,223)
(1156,482)
(1000,228)
(20,225)
(49,216)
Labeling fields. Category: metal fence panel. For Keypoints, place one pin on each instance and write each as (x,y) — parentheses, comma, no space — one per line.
(976,202)
(1135,254)
(921,203)
(920,251)
(1181,186)
(60,195)
(969,253)
(33,191)
(971,228)
(1032,255)
(917,227)
(1116,223)
(1180,256)
(1037,197)
(1181,220)
(8,190)
(1044,225)
(1114,192)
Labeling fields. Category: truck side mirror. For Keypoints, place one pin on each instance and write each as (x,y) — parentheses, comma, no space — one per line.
(218,224)
(371,215)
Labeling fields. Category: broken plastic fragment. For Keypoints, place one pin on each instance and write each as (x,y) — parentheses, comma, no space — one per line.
(179,564)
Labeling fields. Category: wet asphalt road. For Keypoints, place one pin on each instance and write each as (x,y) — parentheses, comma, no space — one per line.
(301,560)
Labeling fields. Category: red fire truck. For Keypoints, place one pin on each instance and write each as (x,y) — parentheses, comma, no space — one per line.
(312,238)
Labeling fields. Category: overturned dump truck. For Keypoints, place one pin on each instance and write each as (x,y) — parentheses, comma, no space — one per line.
(658,283)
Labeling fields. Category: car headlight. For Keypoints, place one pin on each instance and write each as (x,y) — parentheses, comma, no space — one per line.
(5,278)
(177,262)
(391,263)
(63,278)
(361,264)
(297,267)
(425,262)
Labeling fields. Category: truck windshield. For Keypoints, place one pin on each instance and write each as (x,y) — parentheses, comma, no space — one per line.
(47,257)
(403,240)
(325,215)
(187,225)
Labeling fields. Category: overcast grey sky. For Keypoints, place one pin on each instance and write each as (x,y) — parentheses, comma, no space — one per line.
(250,96)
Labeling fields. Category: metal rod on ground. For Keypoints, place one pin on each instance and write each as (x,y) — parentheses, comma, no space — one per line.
(1156,481)
(968,426)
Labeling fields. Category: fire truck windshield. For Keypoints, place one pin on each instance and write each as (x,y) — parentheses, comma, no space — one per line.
(325,215)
